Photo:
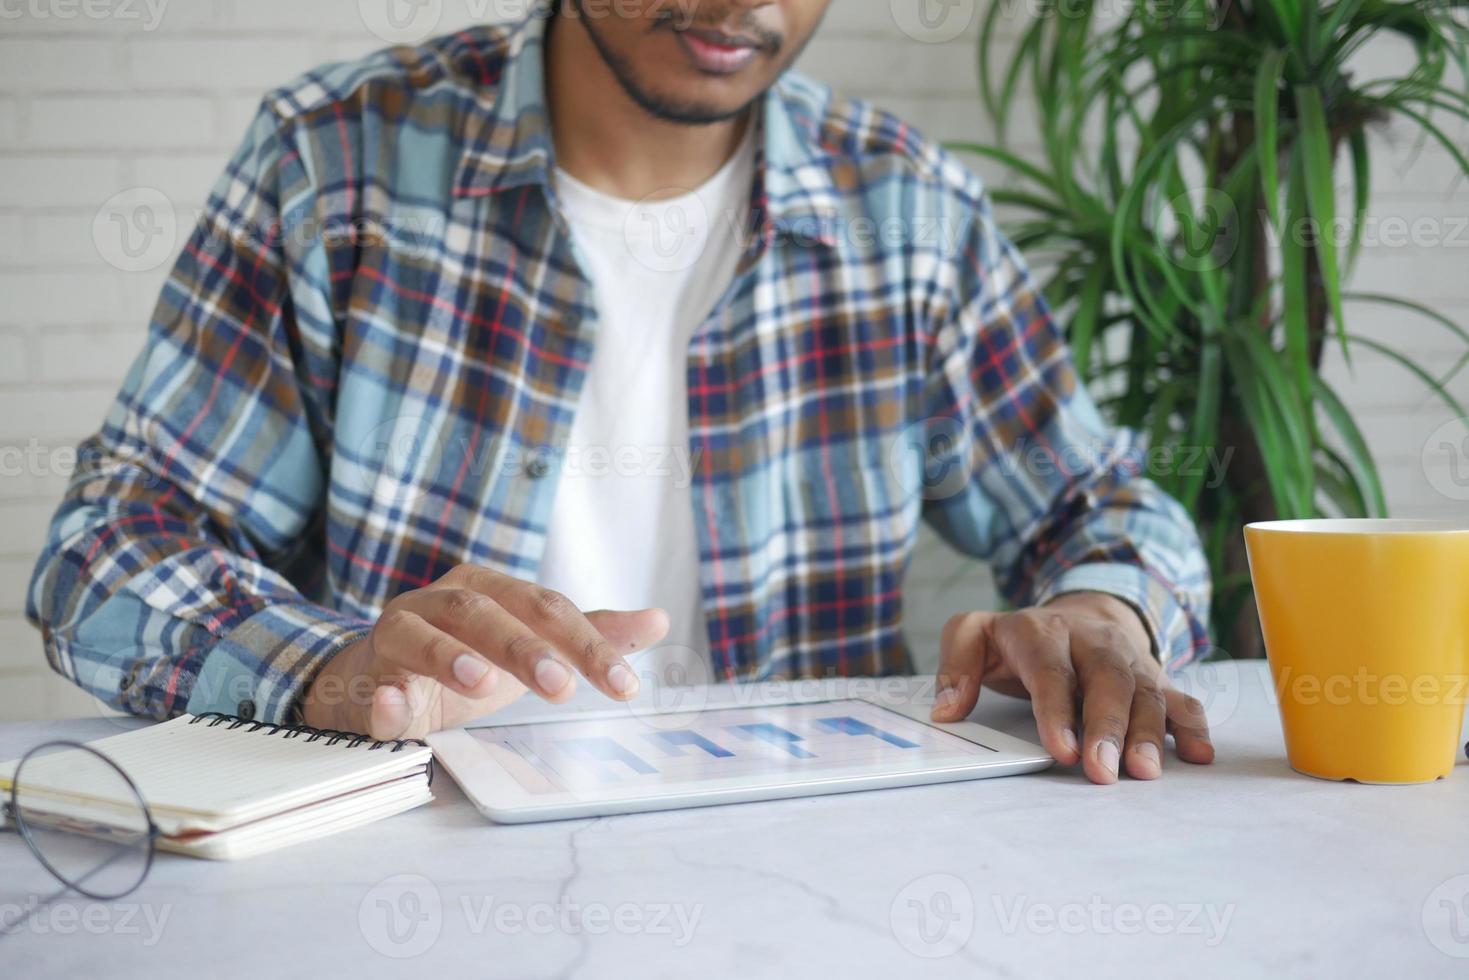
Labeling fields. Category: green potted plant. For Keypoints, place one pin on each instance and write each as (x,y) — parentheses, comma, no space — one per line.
(1184,201)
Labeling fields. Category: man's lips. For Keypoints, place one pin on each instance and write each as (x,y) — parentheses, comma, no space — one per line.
(719,53)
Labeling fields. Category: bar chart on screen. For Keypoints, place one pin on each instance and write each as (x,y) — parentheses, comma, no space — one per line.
(794,740)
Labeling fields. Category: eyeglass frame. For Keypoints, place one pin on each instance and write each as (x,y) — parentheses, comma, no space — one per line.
(14,821)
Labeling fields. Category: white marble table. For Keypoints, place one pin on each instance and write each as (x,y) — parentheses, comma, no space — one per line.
(1242,869)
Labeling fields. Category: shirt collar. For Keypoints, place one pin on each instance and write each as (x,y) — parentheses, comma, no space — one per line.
(507,143)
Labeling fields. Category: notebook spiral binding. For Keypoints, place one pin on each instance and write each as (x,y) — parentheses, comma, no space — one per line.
(214,719)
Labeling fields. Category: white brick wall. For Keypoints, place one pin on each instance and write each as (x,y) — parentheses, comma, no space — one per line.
(102,97)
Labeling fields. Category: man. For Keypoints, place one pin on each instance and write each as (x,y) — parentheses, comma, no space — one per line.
(359,475)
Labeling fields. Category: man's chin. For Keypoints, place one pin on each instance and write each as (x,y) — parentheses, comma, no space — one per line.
(696,108)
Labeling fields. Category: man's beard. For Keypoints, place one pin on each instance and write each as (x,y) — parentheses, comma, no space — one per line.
(668,109)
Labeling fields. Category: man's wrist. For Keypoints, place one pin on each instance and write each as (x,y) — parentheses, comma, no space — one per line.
(326,699)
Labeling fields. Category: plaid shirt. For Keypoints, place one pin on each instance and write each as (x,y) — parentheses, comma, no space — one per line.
(363,370)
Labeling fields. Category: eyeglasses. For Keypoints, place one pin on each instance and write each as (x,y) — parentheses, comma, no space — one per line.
(102,851)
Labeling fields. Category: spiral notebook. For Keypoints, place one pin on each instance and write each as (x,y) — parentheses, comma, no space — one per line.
(224,788)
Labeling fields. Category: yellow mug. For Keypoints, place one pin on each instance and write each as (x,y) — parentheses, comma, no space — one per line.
(1367,631)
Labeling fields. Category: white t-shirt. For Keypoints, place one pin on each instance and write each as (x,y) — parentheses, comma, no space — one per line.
(622,532)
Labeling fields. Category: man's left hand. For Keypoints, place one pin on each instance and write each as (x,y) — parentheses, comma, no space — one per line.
(1083,657)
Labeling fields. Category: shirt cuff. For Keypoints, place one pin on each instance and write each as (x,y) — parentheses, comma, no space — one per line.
(1177,637)
(261,668)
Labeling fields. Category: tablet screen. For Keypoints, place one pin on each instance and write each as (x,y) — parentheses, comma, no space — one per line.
(774,744)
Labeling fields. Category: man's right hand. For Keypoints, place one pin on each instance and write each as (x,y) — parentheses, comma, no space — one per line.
(472,643)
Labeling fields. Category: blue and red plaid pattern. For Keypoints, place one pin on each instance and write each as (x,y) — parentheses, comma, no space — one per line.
(363,369)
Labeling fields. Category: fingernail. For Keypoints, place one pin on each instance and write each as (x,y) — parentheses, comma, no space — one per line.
(551,677)
(622,680)
(1149,752)
(1069,743)
(470,670)
(1109,755)
(946,698)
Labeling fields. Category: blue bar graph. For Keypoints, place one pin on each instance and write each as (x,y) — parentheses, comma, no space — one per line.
(675,742)
(605,749)
(775,735)
(851,726)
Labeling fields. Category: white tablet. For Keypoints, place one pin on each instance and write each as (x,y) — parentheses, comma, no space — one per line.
(636,761)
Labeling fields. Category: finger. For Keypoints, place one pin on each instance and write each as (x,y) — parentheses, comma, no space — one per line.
(961,666)
(1107,686)
(1189,727)
(1143,756)
(482,624)
(1039,645)
(631,632)
(408,641)
(556,619)
(389,716)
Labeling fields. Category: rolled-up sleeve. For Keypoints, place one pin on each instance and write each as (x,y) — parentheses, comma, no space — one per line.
(160,587)
(1051,496)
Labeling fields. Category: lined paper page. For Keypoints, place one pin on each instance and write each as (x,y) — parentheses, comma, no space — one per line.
(194,776)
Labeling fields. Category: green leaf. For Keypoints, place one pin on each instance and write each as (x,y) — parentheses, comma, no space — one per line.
(1340,485)
(1088,311)
(1295,262)
(1316,157)
(1292,408)
(1362,190)
(1359,456)
(1204,428)
(1267,103)
(1416,369)
(1266,426)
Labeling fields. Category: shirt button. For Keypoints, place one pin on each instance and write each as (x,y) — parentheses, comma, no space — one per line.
(537,467)
(246,710)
